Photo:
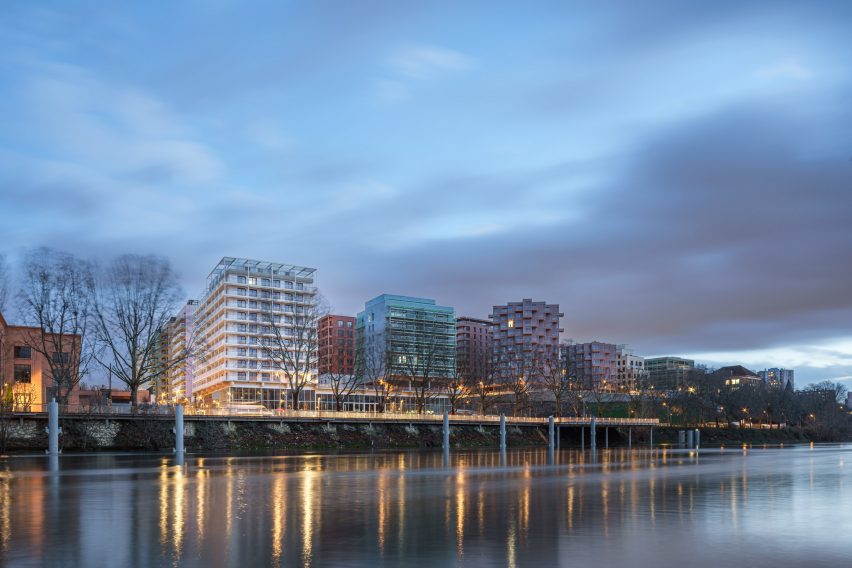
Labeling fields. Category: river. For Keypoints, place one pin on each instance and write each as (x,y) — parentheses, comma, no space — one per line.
(751,507)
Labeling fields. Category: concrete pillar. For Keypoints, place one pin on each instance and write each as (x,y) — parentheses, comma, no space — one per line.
(559,437)
(651,436)
(582,437)
(593,442)
(606,437)
(53,429)
(689,440)
(503,432)
(446,443)
(629,437)
(551,434)
(697,438)
(681,439)
(179,431)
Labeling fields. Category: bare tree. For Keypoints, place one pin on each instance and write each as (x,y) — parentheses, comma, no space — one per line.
(136,297)
(4,289)
(556,380)
(372,362)
(424,364)
(521,368)
(342,384)
(480,378)
(456,389)
(4,282)
(57,296)
(292,342)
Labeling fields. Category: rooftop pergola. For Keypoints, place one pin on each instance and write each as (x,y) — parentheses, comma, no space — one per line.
(260,267)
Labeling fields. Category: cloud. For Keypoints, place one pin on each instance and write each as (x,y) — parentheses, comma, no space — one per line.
(428,61)
(790,68)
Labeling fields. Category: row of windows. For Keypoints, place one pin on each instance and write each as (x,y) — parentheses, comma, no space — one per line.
(274,283)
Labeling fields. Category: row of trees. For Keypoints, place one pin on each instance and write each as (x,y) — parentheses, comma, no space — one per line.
(86,315)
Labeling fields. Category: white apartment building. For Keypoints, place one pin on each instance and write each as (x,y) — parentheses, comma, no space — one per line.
(631,368)
(232,321)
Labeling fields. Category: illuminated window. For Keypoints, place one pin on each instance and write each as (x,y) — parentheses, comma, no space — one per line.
(511,323)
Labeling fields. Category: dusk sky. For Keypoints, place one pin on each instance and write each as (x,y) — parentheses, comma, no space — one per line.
(676,175)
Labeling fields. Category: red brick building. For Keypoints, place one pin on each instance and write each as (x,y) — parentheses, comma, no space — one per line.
(26,370)
(336,345)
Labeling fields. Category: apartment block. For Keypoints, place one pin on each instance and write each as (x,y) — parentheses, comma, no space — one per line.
(777,377)
(526,329)
(336,345)
(594,364)
(474,339)
(631,369)
(233,320)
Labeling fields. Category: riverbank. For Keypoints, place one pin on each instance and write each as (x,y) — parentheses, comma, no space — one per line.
(155,434)
(142,433)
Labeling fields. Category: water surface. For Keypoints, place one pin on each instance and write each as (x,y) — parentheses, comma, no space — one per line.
(734,507)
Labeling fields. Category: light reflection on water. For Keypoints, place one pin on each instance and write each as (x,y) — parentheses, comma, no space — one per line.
(755,507)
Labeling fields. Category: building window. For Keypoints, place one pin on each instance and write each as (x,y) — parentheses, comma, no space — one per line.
(60,358)
(510,323)
(23,352)
(23,373)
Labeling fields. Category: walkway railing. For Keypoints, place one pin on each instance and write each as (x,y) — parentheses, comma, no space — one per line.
(256,412)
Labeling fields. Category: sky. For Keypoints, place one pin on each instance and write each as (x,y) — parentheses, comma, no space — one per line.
(676,175)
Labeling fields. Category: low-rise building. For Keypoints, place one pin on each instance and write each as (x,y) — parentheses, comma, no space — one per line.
(736,376)
(672,373)
(25,368)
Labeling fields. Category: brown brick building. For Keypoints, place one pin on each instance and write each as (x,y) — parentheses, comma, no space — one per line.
(473,346)
(336,345)
(25,370)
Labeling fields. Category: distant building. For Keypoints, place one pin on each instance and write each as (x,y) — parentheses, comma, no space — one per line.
(776,377)
(26,370)
(849,400)
(474,339)
(336,345)
(631,369)
(671,373)
(736,376)
(415,333)
(525,329)
(180,367)
(594,364)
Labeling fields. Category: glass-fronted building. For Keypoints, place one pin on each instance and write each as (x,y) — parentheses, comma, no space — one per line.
(415,333)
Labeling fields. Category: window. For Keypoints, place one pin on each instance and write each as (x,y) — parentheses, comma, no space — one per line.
(339,323)
(264,282)
(23,352)
(60,358)
(252,281)
(510,323)
(349,324)
(288,285)
(23,373)
(276,283)
(241,279)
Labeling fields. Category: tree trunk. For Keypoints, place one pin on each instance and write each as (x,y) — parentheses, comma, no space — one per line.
(134,397)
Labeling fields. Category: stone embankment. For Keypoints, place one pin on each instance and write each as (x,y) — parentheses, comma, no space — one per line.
(27,433)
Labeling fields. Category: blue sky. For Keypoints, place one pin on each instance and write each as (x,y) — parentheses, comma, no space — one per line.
(676,175)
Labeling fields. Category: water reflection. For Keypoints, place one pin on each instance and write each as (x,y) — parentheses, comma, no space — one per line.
(410,508)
